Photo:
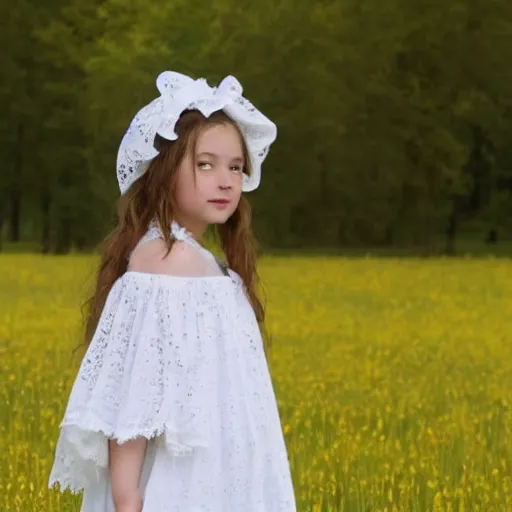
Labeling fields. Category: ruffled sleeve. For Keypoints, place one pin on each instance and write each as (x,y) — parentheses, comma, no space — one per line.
(145,373)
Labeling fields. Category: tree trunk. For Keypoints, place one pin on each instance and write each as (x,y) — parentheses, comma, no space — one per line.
(15,193)
(451,233)
(45,213)
(3,216)
(14,216)
(63,244)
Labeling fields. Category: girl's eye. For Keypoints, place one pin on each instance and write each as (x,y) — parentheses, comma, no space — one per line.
(208,165)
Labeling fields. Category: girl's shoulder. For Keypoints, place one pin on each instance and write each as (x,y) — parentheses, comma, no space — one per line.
(182,260)
(151,255)
(184,263)
(182,267)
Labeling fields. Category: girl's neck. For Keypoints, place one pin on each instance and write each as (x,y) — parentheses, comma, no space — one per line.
(192,228)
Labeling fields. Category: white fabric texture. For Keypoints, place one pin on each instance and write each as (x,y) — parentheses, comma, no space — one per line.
(180,361)
(179,93)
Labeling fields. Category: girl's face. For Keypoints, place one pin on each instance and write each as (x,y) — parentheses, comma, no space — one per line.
(219,162)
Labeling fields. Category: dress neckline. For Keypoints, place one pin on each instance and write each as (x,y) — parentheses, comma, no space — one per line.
(180,232)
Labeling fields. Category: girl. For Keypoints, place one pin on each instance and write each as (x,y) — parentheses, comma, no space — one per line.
(173,408)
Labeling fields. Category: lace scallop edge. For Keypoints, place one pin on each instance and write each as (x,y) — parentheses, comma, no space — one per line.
(77,483)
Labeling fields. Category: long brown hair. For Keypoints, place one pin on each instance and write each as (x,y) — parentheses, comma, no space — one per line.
(152,196)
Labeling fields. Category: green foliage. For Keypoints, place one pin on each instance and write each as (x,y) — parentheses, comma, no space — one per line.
(393,117)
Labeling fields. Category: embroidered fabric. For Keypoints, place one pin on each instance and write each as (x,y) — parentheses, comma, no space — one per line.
(143,375)
(180,361)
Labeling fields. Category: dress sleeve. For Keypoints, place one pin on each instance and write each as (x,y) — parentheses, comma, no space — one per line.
(145,373)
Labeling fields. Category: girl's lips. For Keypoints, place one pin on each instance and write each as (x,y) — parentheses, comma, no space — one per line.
(220,204)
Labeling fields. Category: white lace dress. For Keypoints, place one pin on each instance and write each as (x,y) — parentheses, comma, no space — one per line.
(180,361)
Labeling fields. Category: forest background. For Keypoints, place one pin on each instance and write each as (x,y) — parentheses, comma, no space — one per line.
(393,117)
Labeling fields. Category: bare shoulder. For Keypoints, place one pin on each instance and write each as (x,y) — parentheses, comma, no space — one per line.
(182,260)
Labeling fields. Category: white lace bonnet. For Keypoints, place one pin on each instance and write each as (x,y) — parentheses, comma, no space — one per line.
(179,93)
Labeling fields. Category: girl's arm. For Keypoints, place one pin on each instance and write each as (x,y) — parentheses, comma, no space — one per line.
(125,466)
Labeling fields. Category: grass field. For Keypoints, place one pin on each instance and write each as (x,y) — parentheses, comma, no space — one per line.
(393,377)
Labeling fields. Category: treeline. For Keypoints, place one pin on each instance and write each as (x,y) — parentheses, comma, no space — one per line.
(394,117)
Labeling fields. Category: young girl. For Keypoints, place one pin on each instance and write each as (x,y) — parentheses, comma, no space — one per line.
(173,408)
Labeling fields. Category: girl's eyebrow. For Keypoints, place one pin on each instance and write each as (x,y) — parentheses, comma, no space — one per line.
(213,155)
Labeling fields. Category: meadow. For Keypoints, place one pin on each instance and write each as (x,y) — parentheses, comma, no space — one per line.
(393,378)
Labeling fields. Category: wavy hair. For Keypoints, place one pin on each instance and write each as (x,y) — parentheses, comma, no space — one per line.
(152,196)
